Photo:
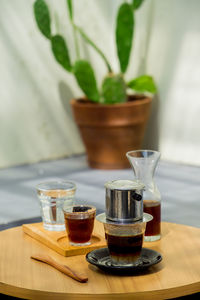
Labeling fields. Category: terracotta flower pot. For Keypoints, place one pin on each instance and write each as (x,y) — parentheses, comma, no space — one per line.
(109,131)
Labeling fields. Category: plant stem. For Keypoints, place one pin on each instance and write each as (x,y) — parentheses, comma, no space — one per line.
(76,42)
(89,41)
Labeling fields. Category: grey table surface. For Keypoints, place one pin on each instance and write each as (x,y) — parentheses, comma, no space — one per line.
(179,186)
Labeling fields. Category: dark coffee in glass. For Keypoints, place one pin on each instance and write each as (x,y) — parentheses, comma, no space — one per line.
(124,249)
(124,241)
(79,223)
(153,208)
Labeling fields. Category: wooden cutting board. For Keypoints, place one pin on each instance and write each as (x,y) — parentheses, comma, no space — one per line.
(58,240)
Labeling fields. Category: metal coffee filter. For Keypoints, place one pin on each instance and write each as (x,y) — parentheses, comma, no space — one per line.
(124,200)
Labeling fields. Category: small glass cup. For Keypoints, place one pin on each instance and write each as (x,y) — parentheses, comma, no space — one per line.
(124,240)
(54,196)
(79,223)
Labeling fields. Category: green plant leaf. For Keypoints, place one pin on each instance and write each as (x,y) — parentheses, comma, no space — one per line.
(60,51)
(113,89)
(124,34)
(144,83)
(86,79)
(137,3)
(70,9)
(42,17)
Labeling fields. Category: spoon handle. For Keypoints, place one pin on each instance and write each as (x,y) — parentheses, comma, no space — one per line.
(62,268)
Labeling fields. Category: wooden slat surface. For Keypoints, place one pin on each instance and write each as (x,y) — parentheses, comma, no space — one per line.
(177,275)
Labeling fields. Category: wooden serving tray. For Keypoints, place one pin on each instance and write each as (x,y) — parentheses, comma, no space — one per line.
(58,240)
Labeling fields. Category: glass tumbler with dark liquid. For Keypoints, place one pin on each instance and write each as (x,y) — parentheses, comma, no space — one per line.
(125,241)
(144,163)
(79,223)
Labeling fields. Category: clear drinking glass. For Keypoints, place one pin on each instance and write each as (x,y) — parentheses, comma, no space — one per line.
(144,163)
(54,196)
(124,240)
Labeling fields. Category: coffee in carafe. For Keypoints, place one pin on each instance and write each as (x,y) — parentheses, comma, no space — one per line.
(144,163)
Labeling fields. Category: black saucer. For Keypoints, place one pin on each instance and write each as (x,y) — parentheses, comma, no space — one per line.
(102,260)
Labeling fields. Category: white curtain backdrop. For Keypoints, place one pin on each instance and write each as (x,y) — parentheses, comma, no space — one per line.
(175,61)
(35,116)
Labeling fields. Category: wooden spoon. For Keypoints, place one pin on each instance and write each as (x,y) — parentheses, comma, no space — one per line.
(62,268)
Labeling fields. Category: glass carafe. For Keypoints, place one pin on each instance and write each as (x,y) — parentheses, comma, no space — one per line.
(144,163)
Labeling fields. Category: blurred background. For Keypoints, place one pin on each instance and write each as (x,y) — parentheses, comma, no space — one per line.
(36,121)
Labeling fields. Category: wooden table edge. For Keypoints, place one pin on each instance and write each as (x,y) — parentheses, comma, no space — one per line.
(157,294)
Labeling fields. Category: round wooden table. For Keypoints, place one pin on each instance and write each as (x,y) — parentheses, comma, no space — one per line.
(176,275)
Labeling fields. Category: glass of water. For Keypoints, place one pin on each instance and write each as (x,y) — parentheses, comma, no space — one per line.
(54,196)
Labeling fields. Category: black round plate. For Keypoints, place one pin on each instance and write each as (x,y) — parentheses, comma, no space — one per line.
(102,260)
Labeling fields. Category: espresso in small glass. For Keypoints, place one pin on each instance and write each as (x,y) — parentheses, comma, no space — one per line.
(79,223)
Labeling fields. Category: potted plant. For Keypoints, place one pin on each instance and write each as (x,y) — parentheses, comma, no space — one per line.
(111,120)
